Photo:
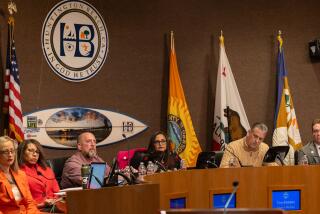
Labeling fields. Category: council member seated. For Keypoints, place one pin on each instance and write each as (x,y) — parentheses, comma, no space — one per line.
(15,196)
(312,149)
(86,154)
(159,152)
(41,178)
(247,151)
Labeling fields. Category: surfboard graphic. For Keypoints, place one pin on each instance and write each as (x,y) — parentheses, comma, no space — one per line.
(59,127)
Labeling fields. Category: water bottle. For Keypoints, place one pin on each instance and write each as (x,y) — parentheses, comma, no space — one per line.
(304,160)
(232,162)
(85,173)
(150,168)
(126,171)
(183,164)
(142,171)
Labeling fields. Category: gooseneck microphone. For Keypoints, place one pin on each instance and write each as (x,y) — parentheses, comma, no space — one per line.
(211,163)
(161,166)
(235,185)
(280,159)
(128,150)
(128,180)
(232,153)
(132,178)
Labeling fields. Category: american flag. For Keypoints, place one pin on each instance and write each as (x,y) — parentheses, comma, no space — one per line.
(12,98)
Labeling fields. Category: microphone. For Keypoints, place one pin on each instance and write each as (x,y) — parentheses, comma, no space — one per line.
(112,179)
(125,139)
(132,178)
(235,185)
(280,159)
(225,148)
(212,164)
(129,181)
(161,166)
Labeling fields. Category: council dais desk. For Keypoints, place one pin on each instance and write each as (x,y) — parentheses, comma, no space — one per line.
(255,186)
(198,186)
(135,199)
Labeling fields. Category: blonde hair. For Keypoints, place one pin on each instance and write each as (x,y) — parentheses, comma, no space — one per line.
(4,139)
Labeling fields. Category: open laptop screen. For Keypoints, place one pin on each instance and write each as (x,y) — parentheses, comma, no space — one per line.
(98,171)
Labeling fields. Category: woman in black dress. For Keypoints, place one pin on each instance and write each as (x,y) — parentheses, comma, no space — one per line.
(160,153)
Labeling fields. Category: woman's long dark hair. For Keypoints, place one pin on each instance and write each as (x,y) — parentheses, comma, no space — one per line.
(152,150)
(22,149)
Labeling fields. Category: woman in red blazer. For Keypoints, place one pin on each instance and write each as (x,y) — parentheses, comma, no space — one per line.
(15,196)
(41,178)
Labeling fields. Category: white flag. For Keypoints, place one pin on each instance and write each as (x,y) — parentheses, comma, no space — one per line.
(230,119)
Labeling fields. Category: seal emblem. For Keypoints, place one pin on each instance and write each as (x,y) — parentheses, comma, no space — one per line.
(74,40)
(177,132)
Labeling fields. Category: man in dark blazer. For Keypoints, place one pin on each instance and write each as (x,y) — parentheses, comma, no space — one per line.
(312,149)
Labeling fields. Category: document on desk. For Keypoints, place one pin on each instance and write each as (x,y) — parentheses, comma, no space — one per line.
(63,192)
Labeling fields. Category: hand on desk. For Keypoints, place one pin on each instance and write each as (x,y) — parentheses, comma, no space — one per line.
(271,164)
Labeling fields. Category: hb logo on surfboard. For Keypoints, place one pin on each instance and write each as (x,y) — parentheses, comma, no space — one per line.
(75,40)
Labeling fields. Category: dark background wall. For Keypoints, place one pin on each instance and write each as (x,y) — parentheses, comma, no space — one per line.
(134,77)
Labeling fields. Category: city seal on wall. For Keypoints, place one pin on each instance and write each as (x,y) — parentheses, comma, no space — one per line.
(74,40)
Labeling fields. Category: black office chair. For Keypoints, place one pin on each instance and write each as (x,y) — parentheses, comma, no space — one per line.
(296,157)
(206,160)
(57,165)
(209,159)
(218,157)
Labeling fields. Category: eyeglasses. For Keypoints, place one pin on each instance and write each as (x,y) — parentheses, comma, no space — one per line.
(162,142)
(33,151)
(7,152)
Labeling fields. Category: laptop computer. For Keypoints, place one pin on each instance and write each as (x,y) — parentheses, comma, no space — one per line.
(97,175)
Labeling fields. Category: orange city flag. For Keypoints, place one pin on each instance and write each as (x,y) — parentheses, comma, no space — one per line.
(180,128)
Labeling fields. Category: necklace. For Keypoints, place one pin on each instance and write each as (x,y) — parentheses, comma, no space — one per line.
(9,178)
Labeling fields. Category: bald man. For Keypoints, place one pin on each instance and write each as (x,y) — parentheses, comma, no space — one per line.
(86,154)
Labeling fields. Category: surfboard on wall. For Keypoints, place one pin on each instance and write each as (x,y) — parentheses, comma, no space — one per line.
(59,127)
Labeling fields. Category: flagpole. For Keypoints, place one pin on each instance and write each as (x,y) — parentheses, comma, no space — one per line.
(221,38)
(12,9)
(172,40)
(12,82)
(280,39)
